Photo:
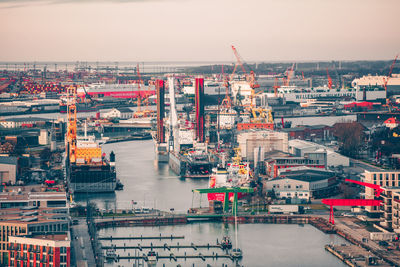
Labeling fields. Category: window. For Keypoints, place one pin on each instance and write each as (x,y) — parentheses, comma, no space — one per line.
(25,246)
(63,258)
(375,176)
(63,250)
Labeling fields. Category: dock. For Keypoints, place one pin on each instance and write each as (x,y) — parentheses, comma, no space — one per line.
(165,247)
(176,257)
(353,255)
(160,237)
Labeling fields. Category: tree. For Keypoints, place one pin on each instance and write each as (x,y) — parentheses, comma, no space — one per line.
(351,136)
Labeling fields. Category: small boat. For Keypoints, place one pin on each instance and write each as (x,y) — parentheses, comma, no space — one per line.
(152,257)
(237,253)
(110,253)
(119,185)
(226,243)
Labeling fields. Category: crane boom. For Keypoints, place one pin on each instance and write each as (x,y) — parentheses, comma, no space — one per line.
(139,82)
(377,188)
(385,82)
(329,79)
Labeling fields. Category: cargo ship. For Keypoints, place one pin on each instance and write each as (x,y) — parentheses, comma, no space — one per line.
(129,91)
(102,96)
(91,172)
(298,94)
(87,169)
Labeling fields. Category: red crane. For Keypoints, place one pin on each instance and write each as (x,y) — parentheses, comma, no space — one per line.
(289,73)
(385,81)
(354,202)
(329,79)
(249,77)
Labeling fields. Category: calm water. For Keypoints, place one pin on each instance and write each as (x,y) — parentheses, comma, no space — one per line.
(262,244)
(152,184)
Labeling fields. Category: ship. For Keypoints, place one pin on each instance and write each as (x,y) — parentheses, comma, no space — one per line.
(233,175)
(87,169)
(91,172)
(96,96)
(296,94)
(115,90)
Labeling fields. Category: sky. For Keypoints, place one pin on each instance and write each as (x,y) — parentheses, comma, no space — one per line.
(198,30)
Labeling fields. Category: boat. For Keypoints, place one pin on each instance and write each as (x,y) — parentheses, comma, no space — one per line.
(110,254)
(88,170)
(297,94)
(226,243)
(235,175)
(198,164)
(115,90)
(152,257)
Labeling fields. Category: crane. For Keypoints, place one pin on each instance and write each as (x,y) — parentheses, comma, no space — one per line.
(71,124)
(385,81)
(354,202)
(276,86)
(139,82)
(249,77)
(226,102)
(329,79)
(289,75)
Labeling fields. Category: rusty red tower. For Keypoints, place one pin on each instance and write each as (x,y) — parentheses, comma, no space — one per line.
(160,111)
(199,94)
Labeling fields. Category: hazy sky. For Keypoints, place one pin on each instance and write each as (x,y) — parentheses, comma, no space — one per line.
(198,30)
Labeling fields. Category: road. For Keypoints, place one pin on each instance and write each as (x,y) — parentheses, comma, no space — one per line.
(81,245)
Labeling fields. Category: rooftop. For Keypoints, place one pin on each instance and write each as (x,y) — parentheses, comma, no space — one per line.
(124,110)
(35,215)
(307,174)
(24,119)
(8,160)
(12,196)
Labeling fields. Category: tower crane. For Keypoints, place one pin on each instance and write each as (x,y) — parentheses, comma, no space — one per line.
(385,81)
(71,126)
(289,75)
(329,79)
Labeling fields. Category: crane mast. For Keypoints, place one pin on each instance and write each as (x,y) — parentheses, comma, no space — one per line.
(71,124)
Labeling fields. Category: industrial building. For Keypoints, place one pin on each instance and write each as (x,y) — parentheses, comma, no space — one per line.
(35,199)
(8,170)
(303,183)
(276,160)
(51,249)
(300,148)
(312,132)
(23,122)
(120,113)
(268,140)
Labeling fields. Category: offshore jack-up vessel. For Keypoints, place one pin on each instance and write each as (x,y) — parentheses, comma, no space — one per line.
(87,169)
